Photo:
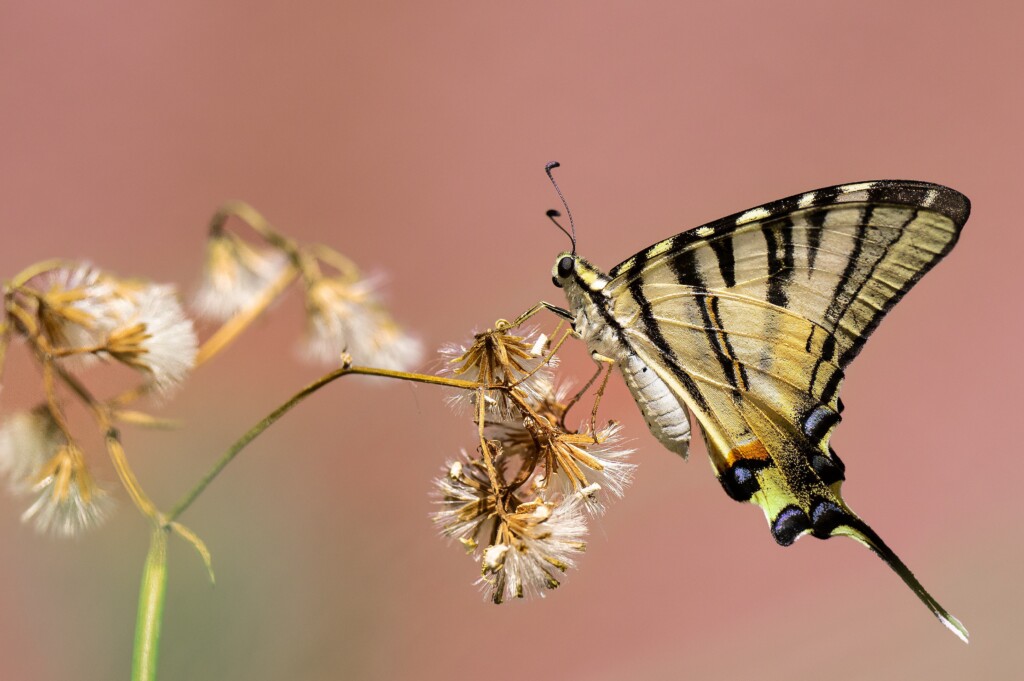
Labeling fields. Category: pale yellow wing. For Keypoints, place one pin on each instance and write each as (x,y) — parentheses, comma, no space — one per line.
(751,320)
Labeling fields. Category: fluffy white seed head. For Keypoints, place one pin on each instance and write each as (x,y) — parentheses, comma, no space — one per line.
(542,540)
(345,317)
(156,337)
(67,499)
(235,275)
(28,439)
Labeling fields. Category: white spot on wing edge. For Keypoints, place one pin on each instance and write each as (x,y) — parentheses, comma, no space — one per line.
(659,248)
(705,231)
(854,192)
(806,200)
(929,198)
(753,214)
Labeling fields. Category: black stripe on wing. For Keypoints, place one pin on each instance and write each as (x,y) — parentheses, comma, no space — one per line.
(850,294)
(945,201)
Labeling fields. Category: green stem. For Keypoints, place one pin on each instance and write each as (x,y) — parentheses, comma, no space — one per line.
(293,401)
(151,608)
(154,575)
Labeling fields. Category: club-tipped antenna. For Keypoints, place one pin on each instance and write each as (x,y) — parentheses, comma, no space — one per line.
(552,214)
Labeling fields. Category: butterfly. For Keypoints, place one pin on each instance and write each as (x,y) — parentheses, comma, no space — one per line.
(750,321)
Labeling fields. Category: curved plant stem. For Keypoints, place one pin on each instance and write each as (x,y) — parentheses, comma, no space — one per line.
(21,278)
(255,220)
(292,402)
(234,326)
(151,608)
(115,449)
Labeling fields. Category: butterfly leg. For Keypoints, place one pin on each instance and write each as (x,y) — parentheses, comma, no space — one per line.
(608,365)
(586,386)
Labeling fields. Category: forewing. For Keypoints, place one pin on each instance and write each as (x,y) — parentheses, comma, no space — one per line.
(772,303)
(840,257)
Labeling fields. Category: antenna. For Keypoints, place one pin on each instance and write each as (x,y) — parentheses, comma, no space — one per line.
(552,214)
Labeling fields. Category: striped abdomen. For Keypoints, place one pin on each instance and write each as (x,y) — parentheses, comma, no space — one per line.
(665,414)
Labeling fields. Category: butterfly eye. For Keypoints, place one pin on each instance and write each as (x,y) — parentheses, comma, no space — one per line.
(565,267)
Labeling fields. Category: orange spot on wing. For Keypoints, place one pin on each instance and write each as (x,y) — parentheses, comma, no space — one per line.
(751,450)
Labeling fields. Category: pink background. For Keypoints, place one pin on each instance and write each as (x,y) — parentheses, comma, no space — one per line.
(412,137)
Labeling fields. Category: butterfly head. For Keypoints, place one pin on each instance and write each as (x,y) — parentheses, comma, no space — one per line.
(574,274)
(564,268)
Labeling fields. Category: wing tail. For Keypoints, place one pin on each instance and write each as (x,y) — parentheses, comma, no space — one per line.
(861,532)
(800,492)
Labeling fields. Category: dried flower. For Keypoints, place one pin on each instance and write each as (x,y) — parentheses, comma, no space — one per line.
(235,275)
(533,544)
(345,317)
(68,499)
(28,439)
(154,336)
(527,538)
(584,464)
(468,501)
(520,507)
(84,313)
(77,306)
(38,459)
(498,358)
(592,466)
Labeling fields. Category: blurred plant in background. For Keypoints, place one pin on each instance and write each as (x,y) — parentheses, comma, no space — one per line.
(519,504)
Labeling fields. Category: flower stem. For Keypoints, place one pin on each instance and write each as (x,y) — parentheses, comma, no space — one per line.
(292,402)
(241,321)
(151,608)
(35,270)
(115,449)
(255,220)
(124,471)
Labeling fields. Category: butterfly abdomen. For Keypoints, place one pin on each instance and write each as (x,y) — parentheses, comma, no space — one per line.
(665,415)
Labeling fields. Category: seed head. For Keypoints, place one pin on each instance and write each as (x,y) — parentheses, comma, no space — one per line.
(155,337)
(77,306)
(28,439)
(498,358)
(235,274)
(534,545)
(68,500)
(344,316)
(468,501)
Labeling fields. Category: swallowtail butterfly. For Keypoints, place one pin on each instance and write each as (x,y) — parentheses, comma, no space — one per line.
(750,321)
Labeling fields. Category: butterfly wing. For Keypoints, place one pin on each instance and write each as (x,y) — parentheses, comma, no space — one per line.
(752,319)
